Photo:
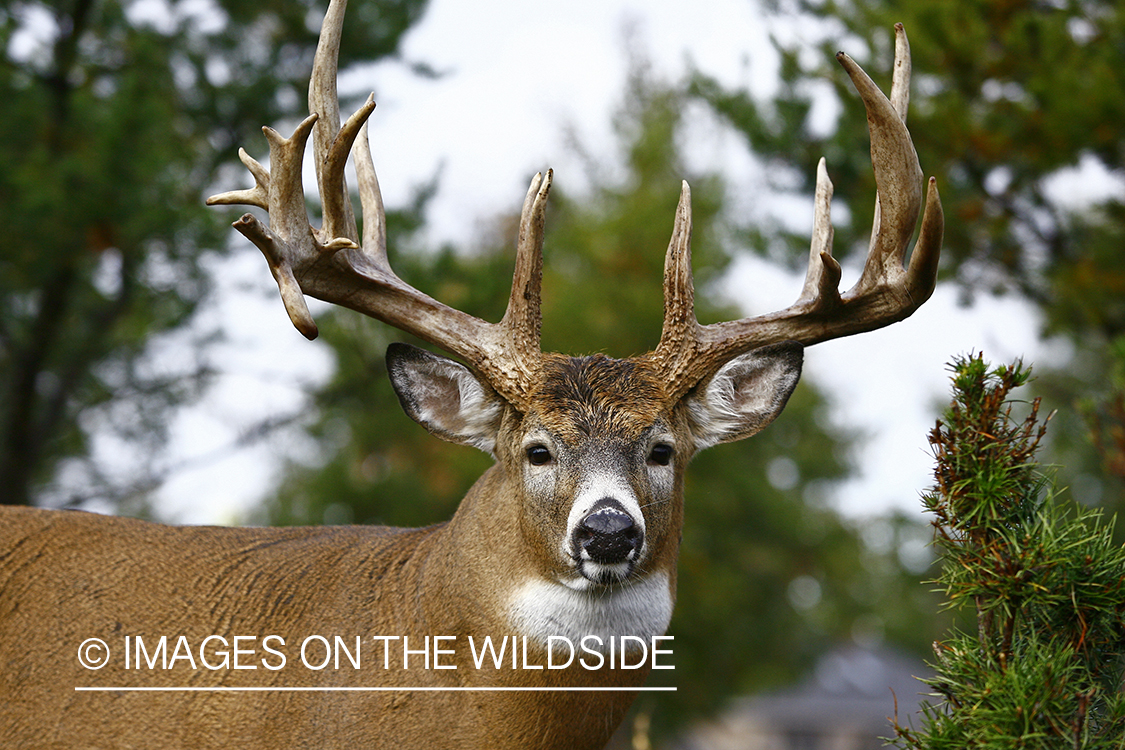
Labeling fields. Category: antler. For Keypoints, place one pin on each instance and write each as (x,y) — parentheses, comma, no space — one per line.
(331,265)
(887,291)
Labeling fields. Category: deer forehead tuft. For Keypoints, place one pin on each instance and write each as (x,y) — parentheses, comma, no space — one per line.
(598,395)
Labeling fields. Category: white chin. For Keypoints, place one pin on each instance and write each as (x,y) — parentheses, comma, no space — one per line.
(604,574)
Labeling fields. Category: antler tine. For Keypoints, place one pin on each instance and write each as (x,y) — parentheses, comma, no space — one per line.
(282,195)
(900,76)
(822,279)
(331,144)
(259,195)
(886,291)
(897,174)
(898,178)
(900,100)
(371,202)
(680,327)
(523,319)
(922,270)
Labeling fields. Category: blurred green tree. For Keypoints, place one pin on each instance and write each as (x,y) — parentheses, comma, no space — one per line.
(118,116)
(769,574)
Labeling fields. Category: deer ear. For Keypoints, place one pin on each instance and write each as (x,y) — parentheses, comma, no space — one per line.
(744,395)
(445,397)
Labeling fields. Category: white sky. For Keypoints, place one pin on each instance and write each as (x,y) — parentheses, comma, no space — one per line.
(517,74)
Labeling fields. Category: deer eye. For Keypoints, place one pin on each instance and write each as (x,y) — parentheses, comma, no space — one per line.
(538,455)
(661,454)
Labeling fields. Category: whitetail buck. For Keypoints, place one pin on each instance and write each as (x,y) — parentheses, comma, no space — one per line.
(573,533)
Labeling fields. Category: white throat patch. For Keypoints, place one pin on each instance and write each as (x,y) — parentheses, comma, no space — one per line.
(540,608)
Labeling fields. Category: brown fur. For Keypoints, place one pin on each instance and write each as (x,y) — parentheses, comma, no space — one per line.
(583,396)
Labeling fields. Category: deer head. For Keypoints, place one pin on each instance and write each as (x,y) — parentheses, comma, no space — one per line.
(598,443)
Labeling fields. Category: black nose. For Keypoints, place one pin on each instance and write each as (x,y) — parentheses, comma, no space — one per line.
(607,534)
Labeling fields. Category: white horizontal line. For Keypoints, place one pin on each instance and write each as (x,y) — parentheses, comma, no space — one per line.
(365,689)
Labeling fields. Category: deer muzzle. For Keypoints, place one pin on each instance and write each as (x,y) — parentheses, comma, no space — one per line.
(607,542)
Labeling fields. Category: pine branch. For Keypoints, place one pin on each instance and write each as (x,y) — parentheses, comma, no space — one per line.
(1044,579)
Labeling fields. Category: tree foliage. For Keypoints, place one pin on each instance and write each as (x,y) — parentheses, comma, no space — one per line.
(1045,581)
(118,116)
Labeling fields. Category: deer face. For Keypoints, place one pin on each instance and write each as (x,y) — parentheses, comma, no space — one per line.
(597,459)
(601,482)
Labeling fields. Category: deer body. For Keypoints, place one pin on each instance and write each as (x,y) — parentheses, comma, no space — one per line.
(500,569)
(571,537)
